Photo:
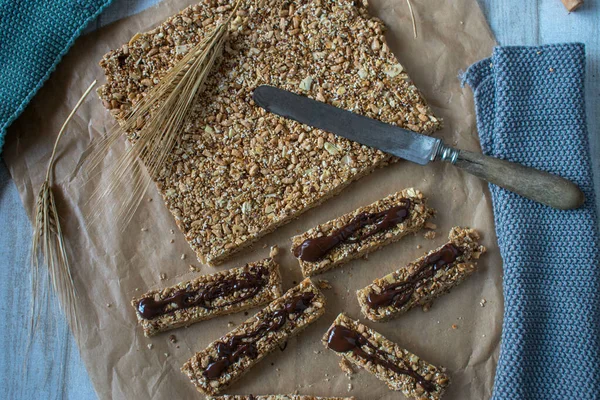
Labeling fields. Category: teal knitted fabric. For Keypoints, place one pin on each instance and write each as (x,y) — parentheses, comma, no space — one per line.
(34,36)
(531,109)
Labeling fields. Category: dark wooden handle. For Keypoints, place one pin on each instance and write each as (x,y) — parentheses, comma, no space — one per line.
(543,187)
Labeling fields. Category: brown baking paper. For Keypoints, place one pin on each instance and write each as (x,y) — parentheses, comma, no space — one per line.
(110,267)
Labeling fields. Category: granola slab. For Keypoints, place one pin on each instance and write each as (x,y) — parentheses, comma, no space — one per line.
(229,358)
(208,296)
(238,172)
(423,280)
(390,363)
(361,232)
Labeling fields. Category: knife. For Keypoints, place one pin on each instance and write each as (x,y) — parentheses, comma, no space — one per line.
(531,183)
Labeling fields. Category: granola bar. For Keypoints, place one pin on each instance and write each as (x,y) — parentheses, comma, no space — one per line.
(276,397)
(360,232)
(229,358)
(398,368)
(424,279)
(208,296)
(237,172)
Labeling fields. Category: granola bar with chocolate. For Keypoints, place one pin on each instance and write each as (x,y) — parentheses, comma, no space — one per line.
(424,279)
(390,363)
(229,358)
(208,296)
(360,232)
(276,397)
(238,172)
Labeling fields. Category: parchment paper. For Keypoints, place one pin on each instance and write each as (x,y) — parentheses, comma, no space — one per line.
(111,267)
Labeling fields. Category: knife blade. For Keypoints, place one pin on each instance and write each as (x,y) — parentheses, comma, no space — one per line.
(370,132)
(540,186)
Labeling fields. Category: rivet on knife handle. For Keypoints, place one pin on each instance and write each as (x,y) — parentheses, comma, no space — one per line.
(536,185)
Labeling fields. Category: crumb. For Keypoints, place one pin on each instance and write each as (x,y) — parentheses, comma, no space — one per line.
(430,225)
(172,241)
(150,199)
(346,366)
(162,276)
(264,246)
(137,289)
(274,251)
(144,230)
(324,284)
(419,246)
(183,256)
(150,346)
(551,69)
(193,268)
(317,351)
(166,354)
(459,318)
(430,235)
(349,387)
(172,231)
(230,324)
(327,379)
(108,305)
(426,307)
(173,339)
(454,326)
(483,335)
(482,302)
(177,346)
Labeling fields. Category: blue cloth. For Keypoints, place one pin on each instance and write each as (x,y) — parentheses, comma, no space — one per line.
(531,109)
(34,36)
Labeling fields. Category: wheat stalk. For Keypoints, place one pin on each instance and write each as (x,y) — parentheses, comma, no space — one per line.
(48,244)
(412,16)
(164,111)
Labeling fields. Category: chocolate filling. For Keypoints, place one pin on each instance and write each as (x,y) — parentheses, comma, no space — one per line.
(343,340)
(398,294)
(314,249)
(236,347)
(249,284)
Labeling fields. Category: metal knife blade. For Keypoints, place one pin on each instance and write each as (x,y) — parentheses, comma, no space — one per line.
(370,132)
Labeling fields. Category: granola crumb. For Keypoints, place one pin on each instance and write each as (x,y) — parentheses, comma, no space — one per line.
(108,305)
(173,339)
(166,354)
(430,225)
(172,241)
(162,276)
(230,324)
(482,302)
(183,256)
(264,246)
(419,246)
(144,229)
(349,387)
(150,199)
(172,231)
(430,235)
(454,326)
(346,366)
(274,251)
(324,284)
(150,346)
(193,268)
(426,307)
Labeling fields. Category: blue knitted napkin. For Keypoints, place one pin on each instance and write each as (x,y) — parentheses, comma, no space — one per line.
(531,109)
(34,36)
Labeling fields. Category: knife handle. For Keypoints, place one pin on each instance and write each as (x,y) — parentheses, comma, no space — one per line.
(536,185)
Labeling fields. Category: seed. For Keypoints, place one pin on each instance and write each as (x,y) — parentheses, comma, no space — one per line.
(331,148)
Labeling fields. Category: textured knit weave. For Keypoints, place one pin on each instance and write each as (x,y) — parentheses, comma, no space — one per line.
(531,109)
(34,35)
